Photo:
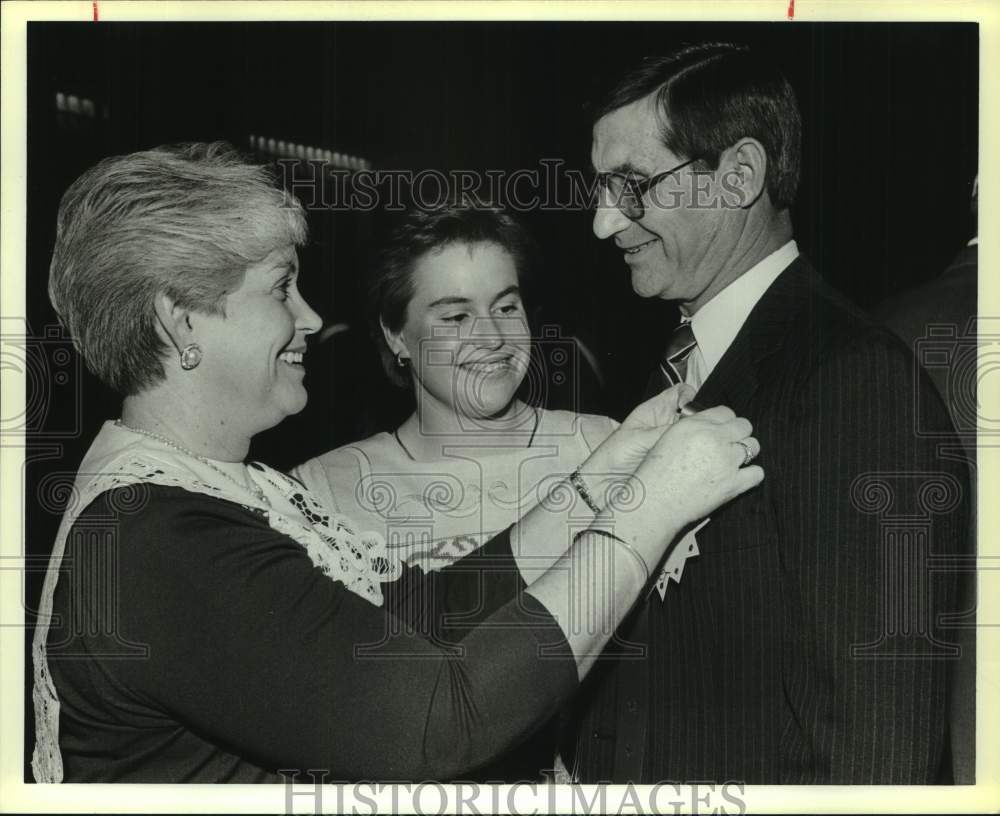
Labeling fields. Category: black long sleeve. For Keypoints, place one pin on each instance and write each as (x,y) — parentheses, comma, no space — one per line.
(256,661)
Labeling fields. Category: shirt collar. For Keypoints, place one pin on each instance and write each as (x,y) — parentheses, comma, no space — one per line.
(716,324)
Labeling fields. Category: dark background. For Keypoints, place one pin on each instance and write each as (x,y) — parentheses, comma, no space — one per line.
(889,154)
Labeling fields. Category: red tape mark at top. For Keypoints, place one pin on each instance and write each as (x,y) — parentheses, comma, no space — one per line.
(791,9)
(94,4)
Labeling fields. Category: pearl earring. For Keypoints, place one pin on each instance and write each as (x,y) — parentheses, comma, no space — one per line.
(190,356)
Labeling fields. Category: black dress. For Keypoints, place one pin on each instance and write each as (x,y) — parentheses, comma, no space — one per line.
(193,643)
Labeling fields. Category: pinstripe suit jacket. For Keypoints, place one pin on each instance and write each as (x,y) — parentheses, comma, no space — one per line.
(801,645)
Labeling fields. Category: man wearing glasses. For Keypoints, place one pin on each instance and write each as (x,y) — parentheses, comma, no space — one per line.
(801,644)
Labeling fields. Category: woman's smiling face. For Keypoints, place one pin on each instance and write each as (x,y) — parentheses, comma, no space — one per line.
(253,355)
(466,332)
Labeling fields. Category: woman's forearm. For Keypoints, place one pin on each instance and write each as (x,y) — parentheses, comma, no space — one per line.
(587,572)
(597,491)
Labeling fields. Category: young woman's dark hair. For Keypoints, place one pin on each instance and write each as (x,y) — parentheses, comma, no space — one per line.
(421,231)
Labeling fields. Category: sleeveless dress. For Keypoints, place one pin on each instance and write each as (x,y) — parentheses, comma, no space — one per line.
(431,513)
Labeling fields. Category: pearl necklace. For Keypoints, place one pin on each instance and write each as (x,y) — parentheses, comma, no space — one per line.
(250,486)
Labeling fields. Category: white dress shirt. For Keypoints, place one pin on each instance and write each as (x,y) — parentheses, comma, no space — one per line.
(716,324)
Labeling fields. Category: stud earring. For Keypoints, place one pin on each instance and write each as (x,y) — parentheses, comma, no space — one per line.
(190,356)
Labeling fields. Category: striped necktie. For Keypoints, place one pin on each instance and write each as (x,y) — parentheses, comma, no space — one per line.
(673,364)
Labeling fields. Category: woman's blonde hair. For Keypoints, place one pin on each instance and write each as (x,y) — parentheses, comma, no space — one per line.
(185,221)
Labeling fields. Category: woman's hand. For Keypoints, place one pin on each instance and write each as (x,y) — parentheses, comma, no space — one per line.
(697,464)
(690,468)
(624,450)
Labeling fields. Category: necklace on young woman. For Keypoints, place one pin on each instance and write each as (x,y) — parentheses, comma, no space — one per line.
(250,486)
(534,430)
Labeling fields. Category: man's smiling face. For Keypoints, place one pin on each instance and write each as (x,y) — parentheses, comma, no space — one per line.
(675,250)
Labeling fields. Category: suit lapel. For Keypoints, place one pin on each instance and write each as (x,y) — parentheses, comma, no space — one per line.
(735,379)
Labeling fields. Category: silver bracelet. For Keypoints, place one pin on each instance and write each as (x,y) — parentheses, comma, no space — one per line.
(580,486)
(605,534)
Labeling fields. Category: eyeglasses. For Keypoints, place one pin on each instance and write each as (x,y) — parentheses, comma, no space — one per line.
(627,193)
